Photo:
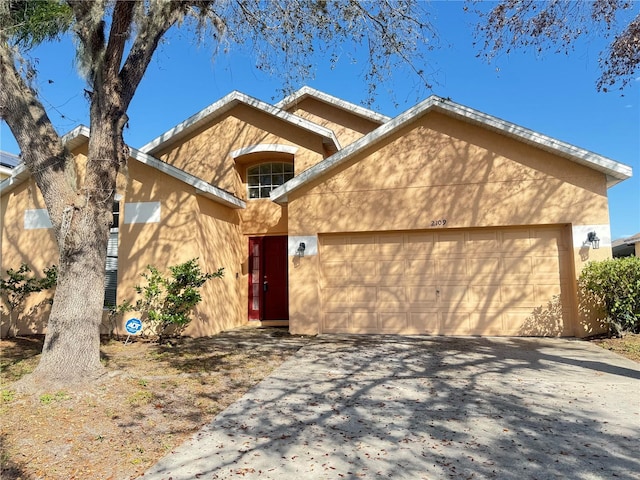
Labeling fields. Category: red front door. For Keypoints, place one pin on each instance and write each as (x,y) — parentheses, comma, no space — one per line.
(268,289)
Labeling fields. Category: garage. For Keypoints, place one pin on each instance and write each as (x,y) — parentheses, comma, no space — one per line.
(507,281)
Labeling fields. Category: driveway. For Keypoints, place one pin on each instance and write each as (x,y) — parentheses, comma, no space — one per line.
(427,408)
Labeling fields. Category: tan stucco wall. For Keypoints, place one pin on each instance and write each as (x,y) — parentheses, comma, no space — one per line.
(37,248)
(207,152)
(347,126)
(190,226)
(440,168)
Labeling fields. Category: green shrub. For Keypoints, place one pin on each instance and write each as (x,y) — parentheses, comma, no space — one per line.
(21,283)
(615,286)
(167,302)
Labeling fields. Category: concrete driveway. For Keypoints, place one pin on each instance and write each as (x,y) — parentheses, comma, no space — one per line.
(427,408)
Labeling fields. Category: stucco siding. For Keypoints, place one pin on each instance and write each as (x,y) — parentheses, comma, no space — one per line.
(189,227)
(441,173)
(206,152)
(36,247)
(348,127)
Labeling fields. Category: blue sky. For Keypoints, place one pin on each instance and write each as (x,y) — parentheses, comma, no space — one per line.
(551,93)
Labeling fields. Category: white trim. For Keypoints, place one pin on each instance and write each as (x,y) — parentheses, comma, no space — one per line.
(6,170)
(306,91)
(202,188)
(310,245)
(141,212)
(616,172)
(37,218)
(225,104)
(580,232)
(80,134)
(264,147)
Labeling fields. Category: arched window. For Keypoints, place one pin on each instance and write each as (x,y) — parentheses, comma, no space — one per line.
(263,178)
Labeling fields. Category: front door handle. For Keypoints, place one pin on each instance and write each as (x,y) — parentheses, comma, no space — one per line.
(265,286)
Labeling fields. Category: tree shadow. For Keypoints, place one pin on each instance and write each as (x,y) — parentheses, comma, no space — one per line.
(428,407)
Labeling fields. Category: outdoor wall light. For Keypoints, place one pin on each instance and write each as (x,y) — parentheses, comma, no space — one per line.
(593,239)
(300,251)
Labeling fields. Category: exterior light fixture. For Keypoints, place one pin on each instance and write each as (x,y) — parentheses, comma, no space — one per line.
(593,239)
(301,248)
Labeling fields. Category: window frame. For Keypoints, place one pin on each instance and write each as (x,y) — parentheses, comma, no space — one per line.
(267,176)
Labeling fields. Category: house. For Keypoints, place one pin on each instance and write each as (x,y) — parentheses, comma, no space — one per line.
(626,247)
(331,218)
(7,162)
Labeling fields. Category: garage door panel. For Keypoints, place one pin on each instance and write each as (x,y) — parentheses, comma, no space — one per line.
(335,295)
(362,295)
(364,321)
(391,245)
(486,322)
(452,294)
(451,268)
(482,281)
(363,270)
(363,246)
(393,322)
(422,294)
(424,321)
(450,242)
(518,296)
(484,266)
(516,240)
(484,296)
(455,323)
(517,265)
(420,244)
(336,321)
(392,295)
(482,241)
(391,267)
(420,267)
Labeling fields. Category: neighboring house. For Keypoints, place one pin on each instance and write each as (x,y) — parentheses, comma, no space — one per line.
(332,218)
(626,247)
(7,162)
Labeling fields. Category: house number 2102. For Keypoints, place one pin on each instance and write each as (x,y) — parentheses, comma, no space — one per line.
(439,223)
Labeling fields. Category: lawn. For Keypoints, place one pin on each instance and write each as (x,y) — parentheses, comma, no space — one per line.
(152,399)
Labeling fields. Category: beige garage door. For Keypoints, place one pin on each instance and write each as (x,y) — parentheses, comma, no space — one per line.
(511,281)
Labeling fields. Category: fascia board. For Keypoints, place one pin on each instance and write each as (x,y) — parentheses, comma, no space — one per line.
(227,103)
(202,188)
(6,170)
(20,173)
(304,92)
(614,171)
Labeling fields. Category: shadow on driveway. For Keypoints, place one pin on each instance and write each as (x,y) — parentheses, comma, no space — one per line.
(427,408)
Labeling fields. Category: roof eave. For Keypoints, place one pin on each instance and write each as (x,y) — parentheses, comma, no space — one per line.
(358,110)
(614,171)
(225,104)
(201,187)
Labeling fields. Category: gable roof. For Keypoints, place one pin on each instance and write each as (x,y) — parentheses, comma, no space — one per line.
(614,171)
(308,92)
(80,135)
(224,105)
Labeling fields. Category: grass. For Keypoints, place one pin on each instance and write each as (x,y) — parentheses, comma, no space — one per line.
(152,400)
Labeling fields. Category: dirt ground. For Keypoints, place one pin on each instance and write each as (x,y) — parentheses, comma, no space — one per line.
(154,398)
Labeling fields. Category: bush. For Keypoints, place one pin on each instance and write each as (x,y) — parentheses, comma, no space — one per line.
(21,283)
(167,302)
(615,286)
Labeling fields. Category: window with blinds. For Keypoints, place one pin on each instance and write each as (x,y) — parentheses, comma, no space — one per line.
(111,267)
